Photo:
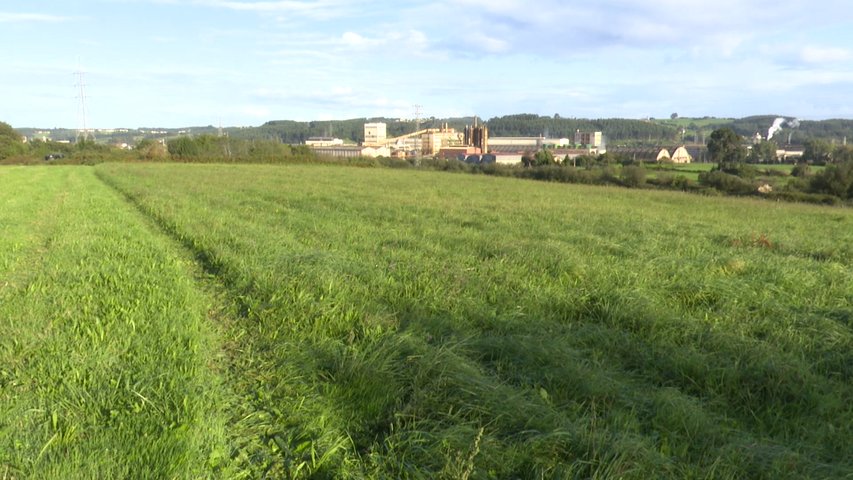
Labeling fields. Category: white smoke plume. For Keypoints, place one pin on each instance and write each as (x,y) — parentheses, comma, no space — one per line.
(777,125)
(794,123)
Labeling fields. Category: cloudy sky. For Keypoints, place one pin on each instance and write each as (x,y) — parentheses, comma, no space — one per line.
(175,63)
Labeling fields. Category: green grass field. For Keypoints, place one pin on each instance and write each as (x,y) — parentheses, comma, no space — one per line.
(691,171)
(190,321)
(107,359)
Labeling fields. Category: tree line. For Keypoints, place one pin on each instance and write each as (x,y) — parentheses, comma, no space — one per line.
(735,174)
(212,148)
(196,148)
(616,130)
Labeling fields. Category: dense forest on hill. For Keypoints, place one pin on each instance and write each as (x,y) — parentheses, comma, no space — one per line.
(351,130)
(617,131)
(522,125)
(799,131)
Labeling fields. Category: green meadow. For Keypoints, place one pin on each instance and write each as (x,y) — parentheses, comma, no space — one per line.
(107,360)
(245,321)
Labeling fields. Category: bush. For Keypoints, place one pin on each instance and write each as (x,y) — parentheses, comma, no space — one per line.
(633,176)
(11,143)
(726,182)
(552,173)
(663,179)
(682,183)
(585,161)
(608,174)
(796,196)
(801,169)
(772,172)
(797,184)
(148,149)
(544,157)
(834,180)
(392,162)
(209,148)
(739,169)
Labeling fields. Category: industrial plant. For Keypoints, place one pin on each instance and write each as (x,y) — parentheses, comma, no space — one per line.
(473,144)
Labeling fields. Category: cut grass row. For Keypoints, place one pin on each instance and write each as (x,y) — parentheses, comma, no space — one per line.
(108,364)
(414,324)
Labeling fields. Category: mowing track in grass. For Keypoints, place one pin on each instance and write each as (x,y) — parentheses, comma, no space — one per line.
(107,360)
(422,325)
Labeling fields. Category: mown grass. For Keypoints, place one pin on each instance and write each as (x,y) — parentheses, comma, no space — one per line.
(421,325)
(108,363)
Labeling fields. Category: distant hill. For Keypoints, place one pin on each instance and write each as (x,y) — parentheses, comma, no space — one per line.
(834,130)
(352,130)
(617,131)
(115,135)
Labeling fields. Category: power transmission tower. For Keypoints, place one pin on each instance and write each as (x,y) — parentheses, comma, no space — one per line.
(82,120)
(418,111)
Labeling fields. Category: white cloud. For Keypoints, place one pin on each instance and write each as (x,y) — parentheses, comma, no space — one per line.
(489,44)
(11,17)
(711,28)
(825,54)
(352,39)
(407,42)
(321,9)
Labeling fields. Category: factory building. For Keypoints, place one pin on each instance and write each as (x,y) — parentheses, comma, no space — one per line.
(592,139)
(375,133)
(680,155)
(428,141)
(472,141)
(517,142)
(352,151)
(477,137)
(323,142)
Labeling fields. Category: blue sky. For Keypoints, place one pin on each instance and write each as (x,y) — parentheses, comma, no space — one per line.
(174,63)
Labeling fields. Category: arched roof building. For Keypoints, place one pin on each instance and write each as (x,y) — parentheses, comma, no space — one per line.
(681,155)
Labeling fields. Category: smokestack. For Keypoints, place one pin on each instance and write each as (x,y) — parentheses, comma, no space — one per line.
(486,139)
(777,125)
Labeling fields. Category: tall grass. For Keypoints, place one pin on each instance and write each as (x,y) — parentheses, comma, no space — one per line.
(108,363)
(420,325)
